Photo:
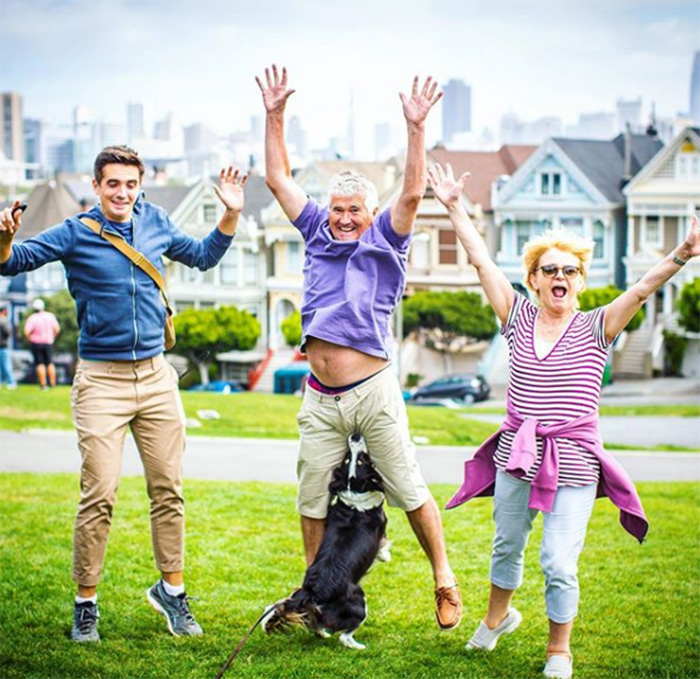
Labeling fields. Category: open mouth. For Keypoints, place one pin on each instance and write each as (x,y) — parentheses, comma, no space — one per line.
(559,291)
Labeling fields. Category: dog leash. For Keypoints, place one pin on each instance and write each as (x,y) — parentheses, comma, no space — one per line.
(238,648)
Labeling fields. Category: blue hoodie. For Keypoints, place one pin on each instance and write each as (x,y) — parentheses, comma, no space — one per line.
(120,309)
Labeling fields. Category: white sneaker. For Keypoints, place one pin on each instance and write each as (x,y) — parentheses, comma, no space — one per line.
(485,639)
(559,667)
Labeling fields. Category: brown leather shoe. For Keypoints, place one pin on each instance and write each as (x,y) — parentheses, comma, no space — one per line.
(448,606)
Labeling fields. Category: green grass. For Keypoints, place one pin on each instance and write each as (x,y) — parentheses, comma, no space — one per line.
(639,615)
(247,415)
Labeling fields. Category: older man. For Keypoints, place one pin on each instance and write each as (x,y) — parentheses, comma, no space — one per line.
(354,277)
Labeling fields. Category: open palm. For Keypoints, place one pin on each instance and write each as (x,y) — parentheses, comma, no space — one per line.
(230,189)
(446,188)
(417,106)
(275,93)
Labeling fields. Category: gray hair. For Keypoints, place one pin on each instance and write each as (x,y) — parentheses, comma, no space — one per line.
(350,183)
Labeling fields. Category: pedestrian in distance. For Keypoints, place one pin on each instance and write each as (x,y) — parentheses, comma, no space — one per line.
(354,277)
(6,375)
(548,455)
(41,329)
(122,379)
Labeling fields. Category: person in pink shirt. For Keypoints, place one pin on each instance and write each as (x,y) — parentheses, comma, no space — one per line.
(41,329)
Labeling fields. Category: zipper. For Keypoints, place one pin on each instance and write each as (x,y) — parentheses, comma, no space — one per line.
(133,287)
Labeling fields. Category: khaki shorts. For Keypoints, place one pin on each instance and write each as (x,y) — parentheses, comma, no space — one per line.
(376,410)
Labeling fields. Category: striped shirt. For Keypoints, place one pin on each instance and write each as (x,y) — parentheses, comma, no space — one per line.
(562,385)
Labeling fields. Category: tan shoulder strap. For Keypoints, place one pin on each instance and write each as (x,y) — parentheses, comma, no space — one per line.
(138,258)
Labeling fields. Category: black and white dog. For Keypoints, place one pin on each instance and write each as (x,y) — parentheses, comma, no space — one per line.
(331,598)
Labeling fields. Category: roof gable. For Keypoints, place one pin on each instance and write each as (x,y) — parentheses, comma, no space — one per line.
(485,167)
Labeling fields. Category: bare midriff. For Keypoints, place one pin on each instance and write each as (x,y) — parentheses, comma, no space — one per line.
(337,366)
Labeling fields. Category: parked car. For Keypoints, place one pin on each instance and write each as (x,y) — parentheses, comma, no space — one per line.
(465,388)
(219,386)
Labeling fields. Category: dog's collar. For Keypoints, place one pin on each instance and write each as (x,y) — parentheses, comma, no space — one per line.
(361,501)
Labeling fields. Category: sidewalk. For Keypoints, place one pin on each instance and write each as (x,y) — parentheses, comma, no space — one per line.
(232,459)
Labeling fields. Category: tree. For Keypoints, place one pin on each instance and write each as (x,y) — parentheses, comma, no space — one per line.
(62,306)
(596,297)
(201,334)
(689,306)
(291,329)
(448,321)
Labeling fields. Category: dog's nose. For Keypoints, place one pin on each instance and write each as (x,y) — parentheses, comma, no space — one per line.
(356,438)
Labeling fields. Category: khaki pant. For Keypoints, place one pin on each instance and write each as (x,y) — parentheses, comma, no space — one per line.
(107,397)
(376,410)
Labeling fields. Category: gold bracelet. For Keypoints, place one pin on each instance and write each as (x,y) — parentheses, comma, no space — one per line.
(679,261)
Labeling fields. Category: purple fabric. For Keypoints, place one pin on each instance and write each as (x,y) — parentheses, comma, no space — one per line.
(614,483)
(351,288)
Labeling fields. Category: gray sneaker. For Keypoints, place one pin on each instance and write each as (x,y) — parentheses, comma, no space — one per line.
(176,610)
(85,618)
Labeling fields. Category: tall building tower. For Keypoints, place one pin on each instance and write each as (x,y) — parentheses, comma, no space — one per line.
(456,109)
(694,108)
(135,127)
(11,125)
(629,112)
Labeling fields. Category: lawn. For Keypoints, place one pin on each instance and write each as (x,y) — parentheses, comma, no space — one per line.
(274,416)
(639,615)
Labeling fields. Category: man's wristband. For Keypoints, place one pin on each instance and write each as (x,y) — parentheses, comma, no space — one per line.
(679,261)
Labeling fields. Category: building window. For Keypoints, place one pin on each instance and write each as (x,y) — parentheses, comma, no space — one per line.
(550,184)
(294,257)
(688,166)
(209,214)
(599,240)
(652,231)
(522,236)
(229,267)
(250,267)
(572,224)
(447,242)
(208,276)
(420,251)
(187,274)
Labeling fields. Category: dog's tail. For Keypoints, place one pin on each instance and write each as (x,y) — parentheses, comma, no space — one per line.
(294,611)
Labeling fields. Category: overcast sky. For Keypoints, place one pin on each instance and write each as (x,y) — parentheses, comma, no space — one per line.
(198,58)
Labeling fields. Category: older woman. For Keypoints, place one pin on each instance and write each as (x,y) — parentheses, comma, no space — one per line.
(547,455)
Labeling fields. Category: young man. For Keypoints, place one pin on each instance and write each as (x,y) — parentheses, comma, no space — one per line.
(122,379)
(41,329)
(354,277)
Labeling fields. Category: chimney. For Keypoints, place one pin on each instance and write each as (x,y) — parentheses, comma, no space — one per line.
(627,146)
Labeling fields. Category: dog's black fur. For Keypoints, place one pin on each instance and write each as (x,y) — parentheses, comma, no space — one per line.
(331,598)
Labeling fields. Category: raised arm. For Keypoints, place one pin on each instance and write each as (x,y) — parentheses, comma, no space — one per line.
(278,173)
(448,190)
(230,193)
(620,311)
(415,110)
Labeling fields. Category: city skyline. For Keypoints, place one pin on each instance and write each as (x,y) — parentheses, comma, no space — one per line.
(535,59)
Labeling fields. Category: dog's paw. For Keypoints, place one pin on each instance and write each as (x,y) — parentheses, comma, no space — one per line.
(384,553)
(323,633)
(349,641)
(268,614)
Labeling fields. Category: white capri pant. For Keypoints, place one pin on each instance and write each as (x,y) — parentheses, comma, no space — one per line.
(562,541)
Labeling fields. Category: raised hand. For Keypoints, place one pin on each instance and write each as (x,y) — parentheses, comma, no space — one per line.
(417,106)
(446,188)
(230,189)
(691,246)
(10,222)
(275,94)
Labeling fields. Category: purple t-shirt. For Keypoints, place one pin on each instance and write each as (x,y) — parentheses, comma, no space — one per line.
(351,287)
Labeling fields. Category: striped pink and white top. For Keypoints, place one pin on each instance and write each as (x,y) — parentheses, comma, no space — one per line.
(563,385)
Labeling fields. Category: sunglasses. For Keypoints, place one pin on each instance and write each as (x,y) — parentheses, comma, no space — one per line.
(551,270)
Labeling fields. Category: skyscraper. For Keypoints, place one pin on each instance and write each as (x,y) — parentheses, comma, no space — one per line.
(629,112)
(135,127)
(694,108)
(456,109)
(11,125)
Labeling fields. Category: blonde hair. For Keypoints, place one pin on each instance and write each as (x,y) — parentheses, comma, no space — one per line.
(561,239)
